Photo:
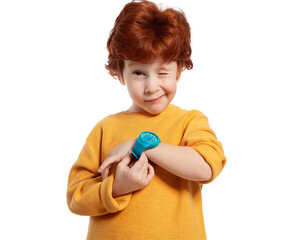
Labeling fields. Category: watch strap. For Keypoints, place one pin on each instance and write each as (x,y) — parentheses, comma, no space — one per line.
(137,149)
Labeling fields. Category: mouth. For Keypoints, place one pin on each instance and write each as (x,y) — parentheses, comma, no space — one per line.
(154,100)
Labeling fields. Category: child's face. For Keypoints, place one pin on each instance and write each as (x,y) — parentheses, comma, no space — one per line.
(150,86)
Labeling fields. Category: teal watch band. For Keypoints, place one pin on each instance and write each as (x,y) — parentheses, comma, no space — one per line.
(137,150)
(145,141)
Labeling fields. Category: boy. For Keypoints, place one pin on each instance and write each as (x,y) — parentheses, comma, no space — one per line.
(141,171)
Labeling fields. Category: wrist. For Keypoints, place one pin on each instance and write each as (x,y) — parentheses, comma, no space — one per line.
(152,152)
(115,190)
(133,141)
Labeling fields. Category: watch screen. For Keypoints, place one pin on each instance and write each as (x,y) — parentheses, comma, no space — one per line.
(148,137)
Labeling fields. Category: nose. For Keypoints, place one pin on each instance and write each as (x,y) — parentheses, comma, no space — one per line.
(152,85)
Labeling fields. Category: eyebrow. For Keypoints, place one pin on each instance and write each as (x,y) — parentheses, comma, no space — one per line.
(165,69)
(135,64)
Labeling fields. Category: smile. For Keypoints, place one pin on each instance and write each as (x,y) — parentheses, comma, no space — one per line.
(155,99)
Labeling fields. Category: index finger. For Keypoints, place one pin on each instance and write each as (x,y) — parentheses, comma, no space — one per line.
(106,163)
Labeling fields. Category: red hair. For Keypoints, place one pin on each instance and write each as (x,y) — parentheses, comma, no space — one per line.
(143,33)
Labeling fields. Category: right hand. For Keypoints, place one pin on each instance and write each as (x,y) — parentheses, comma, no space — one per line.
(132,177)
(115,156)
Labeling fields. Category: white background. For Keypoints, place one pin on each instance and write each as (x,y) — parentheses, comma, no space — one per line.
(54,89)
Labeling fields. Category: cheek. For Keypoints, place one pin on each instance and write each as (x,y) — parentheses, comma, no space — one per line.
(134,90)
(171,87)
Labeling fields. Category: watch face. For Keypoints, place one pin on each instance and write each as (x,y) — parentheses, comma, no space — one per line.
(149,137)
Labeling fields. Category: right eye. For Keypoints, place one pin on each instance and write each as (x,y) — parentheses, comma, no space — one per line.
(138,73)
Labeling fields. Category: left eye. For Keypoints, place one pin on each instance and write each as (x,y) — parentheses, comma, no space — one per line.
(162,74)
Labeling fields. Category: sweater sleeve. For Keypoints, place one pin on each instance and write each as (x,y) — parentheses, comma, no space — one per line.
(87,194)
(201,137)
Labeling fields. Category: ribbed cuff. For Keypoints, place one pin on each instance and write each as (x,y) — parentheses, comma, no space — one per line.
(213,159)
(112,204)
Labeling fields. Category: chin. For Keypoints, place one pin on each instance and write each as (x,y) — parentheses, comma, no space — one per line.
(156,110)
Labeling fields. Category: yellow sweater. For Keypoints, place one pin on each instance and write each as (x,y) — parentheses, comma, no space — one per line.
(169,207)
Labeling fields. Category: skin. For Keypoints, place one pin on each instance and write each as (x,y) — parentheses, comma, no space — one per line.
(151,88)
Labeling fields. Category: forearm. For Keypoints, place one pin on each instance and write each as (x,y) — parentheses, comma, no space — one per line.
(182,161)
(83,198)
(88,194)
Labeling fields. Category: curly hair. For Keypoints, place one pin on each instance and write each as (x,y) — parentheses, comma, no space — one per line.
(143,32)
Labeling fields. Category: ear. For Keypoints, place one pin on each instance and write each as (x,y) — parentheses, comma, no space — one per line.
(121,80)
(179,71)
(178,75)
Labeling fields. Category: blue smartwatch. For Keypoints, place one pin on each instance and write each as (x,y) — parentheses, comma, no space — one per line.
(145,141)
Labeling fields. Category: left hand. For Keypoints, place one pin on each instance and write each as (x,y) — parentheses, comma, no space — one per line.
(133,176)
(116,155)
